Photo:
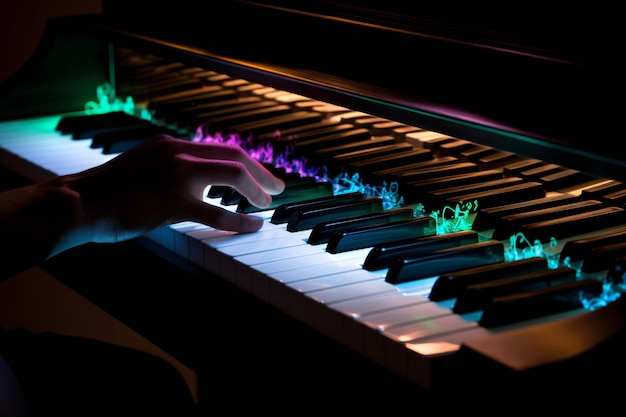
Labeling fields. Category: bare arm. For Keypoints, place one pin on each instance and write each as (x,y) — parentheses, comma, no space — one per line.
(159,182)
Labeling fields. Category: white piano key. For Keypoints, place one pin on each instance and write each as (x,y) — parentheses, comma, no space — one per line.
(230,265)
(314,311)
(263,276)
(309,271)
(432,327)
(377,303)
(323,261)
(221,245)
(181,237)
(355,290)
(308,285)
(406,314)
(243,241)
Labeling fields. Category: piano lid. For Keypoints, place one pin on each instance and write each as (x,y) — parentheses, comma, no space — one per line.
(530,81)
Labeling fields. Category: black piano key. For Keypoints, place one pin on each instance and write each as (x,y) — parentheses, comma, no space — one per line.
(452,284)
(185,97)
(497,160)
(307,146)
(442,194)
(321,232)
(369,121)
(350,116)
(597,192)
(435,198)
(218,191)
(417,191)
(487,217)
(386,127)
(214,77)
(617,197)
(292,181)
(602,257)
(249,88)
(160,83)
(448,170)
(134,66)
(231,197)
(221,103)
(566,178)
(345,151)
(67,124)
(478,296)
(535,174)
(431,163)
(273,124)
(615,274)
(373,165)
(307,219)
(372,151)
(122,146)
(104,140)
(223,123)
(188,105)
(573,225)
(516,168)
(381,256)
(505,195)
(445,260)
(476,152)
(510,224)
(377,234)
(86,126)
(283,213)
(429,140)
(90,133)
(454,147)
(166,85)
(315,129)
(289,195)
(577,249)
(226,108)
(539,303)
(401,132)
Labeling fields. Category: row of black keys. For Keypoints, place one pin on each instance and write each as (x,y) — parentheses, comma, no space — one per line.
(193,96)
(423,177)
(472,271)
(363,223)
(528,210)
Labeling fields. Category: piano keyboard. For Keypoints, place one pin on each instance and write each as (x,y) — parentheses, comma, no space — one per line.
(395,324)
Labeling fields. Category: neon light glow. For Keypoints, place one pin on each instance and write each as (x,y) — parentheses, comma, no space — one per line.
(521,248)
(449,219)
(342,183)
(107,102)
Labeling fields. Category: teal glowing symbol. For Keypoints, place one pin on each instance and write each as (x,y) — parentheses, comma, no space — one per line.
(107,102)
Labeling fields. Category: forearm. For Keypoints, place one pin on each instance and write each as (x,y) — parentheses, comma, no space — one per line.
(38,221)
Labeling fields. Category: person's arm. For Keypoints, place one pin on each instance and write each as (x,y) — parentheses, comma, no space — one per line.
(159,182)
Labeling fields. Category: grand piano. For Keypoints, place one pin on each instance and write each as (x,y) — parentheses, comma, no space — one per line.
(386,91)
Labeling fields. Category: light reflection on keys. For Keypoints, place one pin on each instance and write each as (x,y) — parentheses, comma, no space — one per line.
(50,153)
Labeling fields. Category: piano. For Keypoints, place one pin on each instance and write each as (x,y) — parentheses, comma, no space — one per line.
(487,135)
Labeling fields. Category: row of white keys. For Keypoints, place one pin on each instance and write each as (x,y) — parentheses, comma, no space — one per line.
(332,293)
(36,141)
(316,287)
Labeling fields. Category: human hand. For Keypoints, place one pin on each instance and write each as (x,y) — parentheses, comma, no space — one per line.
(163,181)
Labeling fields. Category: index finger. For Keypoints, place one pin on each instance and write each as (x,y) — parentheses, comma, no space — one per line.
(228,152)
